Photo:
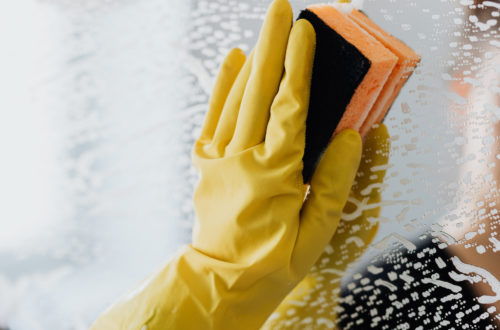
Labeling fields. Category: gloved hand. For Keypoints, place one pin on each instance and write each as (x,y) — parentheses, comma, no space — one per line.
(255,238)
(313,304)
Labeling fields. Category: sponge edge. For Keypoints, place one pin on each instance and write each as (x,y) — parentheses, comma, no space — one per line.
(338,69)
(382,63)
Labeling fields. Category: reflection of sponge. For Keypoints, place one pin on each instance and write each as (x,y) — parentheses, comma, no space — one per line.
(358,68)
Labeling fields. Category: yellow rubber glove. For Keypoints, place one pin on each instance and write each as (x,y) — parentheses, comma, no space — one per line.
(313,304)
(254,238)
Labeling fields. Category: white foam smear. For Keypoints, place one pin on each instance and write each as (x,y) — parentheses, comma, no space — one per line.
(482,274)
(491,4)
(347,7)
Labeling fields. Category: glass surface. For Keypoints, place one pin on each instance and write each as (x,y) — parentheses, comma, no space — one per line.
(102,101)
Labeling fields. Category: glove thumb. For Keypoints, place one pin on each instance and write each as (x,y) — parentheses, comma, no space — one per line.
(330,186)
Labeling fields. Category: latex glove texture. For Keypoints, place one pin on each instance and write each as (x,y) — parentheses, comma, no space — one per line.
(254,237)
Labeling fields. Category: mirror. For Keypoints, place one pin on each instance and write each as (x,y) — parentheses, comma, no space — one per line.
(105,99)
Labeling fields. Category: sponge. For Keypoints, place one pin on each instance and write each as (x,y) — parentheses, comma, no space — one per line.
(358,71)
(338,69)
(382,61)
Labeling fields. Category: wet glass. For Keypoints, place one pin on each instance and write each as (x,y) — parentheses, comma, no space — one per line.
(102,100)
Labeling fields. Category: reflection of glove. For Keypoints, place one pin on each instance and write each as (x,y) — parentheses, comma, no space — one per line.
(313,303)
(254,238)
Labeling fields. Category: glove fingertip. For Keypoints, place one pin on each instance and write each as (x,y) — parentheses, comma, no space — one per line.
(284,8)
(349,135)
(348,144)
(306,29)
(338,166)
(235,60)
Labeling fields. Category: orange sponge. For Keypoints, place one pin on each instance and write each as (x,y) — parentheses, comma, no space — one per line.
(358,71)
(382,62)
